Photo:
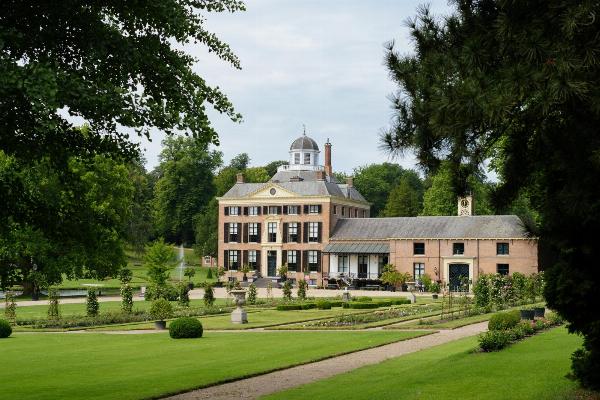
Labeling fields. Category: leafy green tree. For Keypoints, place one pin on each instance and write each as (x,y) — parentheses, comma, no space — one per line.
(159,260)
(517,82)
(185,186)
(206,230)
(271,167)
(240,162)
(115,65)
(256,175)
(139,226)
(375,182)
(406,199)
(92,305)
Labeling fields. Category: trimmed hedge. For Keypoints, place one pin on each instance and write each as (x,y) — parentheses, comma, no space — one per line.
(336,303)
(398,302)
(357,305)
(362,299)
(5,329)
(308,306)
(495,340)
(323,305)
(185,328)
(289,307)
(504,320)
(383,303)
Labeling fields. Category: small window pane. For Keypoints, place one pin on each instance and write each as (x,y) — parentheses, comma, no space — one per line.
(502,269)
(418,248)
(502,249)
(458,248)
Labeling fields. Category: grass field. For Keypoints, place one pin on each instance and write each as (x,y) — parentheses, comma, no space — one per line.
(101,366)
(534,368)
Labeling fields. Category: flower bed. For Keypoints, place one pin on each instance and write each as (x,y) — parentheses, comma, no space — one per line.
(359,319)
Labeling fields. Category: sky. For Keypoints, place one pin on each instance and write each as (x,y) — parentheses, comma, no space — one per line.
(306,62)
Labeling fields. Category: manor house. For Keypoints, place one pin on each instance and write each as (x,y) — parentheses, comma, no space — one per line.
(322,230)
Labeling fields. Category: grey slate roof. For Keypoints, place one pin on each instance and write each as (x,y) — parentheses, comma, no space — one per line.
(358,248)
(285,176)
(354,194)
(304,143)
(480,226)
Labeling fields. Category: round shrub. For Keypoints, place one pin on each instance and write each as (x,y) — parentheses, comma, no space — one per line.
(185,327)
(504,320)
(161,310)
(494,340)
(5,329)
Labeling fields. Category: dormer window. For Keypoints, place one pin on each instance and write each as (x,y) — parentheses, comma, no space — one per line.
(296,158)
(307,158)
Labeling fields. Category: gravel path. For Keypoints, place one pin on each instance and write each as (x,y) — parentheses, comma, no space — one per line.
(252,388)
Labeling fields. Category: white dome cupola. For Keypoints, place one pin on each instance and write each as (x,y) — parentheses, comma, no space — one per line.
(304,154)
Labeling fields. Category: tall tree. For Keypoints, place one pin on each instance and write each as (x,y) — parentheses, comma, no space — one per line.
(406,199)
(273,165)
(113,64)
(375,182)
(184,188)
(139,225)
(207,229)
(517,81)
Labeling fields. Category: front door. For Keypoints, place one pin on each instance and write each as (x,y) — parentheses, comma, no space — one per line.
(459,277)
(271,263)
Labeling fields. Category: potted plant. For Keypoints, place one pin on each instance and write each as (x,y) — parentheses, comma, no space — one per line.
(435,290)
(160,311)
(245,269)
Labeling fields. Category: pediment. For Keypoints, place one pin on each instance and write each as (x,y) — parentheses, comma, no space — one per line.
(272,191)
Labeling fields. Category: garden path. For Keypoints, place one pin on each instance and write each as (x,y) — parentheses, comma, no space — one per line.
(261,385)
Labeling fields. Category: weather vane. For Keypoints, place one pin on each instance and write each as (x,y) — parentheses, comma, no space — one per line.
(304,127)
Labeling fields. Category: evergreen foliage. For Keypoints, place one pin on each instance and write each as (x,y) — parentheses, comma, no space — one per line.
(516,82)
(53,304)
(92,305)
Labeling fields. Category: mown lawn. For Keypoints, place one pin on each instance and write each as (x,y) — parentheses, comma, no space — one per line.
(534,368)
(101,366)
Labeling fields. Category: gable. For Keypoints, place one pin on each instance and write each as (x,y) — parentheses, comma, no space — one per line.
(272,191)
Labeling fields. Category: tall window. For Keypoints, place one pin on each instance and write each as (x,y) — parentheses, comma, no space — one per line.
(502,269)
(253,211)
(233,260)
(252,259)
(335,210)
(306,158)
(363,265)
(458,248)
(343,211)
(381,261)
(293,210)
(356,213)
(293,232)
(418,248)
(313,261)
(272,231)
(502,249)
(233,232)
(313,209)
(253,232)
(313,232)
(364,213)
(273,210)
(296,158)
(292,260)
(343,264)
(234,210)
(418,270)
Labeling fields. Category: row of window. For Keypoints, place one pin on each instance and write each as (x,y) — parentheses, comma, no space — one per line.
(253,211)
(251,232)
(296,260)
(502,249)
(350,212)
(418,267)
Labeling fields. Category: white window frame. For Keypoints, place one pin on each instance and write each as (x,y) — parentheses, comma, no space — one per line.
(306,158)
(296,158)
(313,208)
(271,228)
(343,264)
(313,232)
(233,259)
(273,210)
(313,258)
(253,230)
(234,230)
(234,210)
(253,211)
(292,230)
(421,267)
(293,210)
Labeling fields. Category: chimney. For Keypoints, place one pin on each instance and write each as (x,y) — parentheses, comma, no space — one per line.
(465,206)
(239,178)
(328,169)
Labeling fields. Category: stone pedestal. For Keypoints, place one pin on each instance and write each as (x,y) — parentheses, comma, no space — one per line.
(239,315)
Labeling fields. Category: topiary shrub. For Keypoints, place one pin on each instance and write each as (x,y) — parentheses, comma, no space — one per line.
(185,328)
(5,329)
(289,307)
(494,340)
(161,310)
(92,305)
(252,294)
(504,320)
(323,305)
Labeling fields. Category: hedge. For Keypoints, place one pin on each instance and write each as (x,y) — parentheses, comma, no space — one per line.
(357,305)
(5,329)
(504,320)
(323,305)
(289,307)
(401,301)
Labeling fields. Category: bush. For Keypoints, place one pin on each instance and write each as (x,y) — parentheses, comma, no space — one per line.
(399,302)
(5,329)
(209,294)
(252,294)
(92,305)
(308,306)
(323,305)
(357,305)
(302,288)
(53,307)
(504,320)
(384,303)
(10,308)
(289,307)
(209,274)
(126,298)
(586,368)
(287,290)
(183,298)
(185,327)
(426,280)
(494,340)
(167,292)
(525,327)
(161,310)
(362,299)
